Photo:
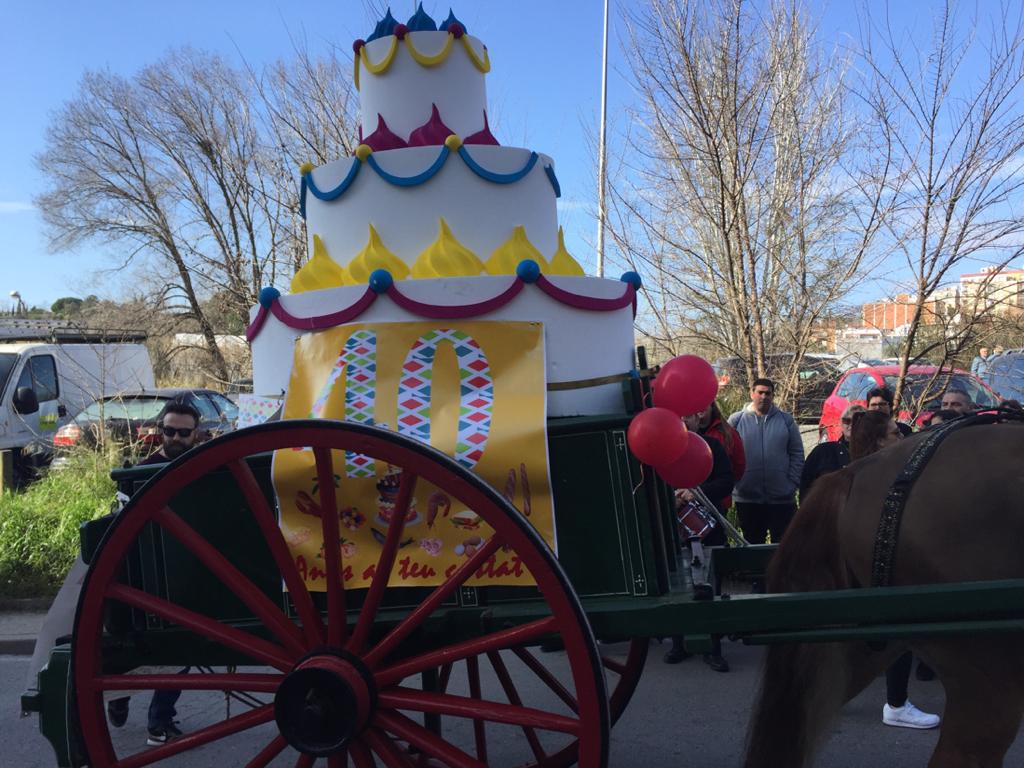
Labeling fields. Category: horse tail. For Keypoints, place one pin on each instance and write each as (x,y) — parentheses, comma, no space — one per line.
(803,684)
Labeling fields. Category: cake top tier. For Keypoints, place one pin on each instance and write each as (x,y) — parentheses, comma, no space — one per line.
(420,82)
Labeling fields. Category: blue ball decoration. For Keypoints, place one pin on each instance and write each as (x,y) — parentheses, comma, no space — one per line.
(268,296)
(528,271)
(633,279)
(381,280)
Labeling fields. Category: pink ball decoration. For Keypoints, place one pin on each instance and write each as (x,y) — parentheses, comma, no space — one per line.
(456,29)
(685,385)
(401,30)
(357,45)
(692,468)
(657,436)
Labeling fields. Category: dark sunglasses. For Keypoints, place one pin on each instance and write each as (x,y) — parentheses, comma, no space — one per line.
(180,431)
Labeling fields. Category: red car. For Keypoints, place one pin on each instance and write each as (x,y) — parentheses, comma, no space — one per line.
(854,385)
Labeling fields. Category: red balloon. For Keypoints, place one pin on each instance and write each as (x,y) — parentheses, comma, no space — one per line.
(657,436)
(686,385)
(692,468)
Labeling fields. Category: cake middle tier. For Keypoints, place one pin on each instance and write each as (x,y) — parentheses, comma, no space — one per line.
(482,193)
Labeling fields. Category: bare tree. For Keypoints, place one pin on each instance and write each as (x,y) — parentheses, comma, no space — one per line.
(190,164)
(742,206)
(952,116)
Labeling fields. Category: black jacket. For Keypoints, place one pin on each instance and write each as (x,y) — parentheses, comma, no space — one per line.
(824,458)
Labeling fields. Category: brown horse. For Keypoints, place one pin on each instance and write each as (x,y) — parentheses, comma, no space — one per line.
(964,521)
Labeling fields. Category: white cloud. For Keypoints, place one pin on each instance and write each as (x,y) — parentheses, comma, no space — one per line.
(14,206)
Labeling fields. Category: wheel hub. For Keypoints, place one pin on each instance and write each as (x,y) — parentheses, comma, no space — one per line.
(324,702)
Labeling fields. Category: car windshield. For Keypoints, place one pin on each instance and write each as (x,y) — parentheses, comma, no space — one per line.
(916,382)
(7,363)
(130,408)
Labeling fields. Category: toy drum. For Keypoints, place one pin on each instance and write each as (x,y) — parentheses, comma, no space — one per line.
(695,522)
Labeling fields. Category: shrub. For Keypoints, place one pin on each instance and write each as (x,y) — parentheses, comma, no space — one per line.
(39,526)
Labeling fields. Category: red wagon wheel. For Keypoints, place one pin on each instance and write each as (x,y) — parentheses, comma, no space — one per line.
(343,692)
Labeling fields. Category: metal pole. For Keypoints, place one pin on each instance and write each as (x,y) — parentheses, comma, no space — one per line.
(601,150)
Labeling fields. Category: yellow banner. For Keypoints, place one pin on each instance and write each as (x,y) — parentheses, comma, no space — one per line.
(474,390)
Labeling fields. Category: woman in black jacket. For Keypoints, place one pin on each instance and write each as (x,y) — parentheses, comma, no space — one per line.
(829,457)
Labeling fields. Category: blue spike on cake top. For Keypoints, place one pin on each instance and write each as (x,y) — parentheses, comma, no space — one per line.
(421,21)
(385,27)
(449,21)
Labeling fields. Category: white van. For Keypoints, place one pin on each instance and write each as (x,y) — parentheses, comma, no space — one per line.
(44,385)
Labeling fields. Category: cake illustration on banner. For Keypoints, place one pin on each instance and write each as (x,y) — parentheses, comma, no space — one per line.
(387,498)
(433,217)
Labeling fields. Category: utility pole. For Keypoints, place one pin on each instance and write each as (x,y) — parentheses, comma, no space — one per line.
(601,149)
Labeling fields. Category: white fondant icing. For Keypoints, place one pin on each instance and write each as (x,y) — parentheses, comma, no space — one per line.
(580,344)
(480,213)
(404,93)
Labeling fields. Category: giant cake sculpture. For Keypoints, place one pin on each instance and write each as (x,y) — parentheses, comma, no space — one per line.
(433,218)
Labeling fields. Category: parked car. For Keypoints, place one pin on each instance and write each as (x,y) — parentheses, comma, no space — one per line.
(130,419)
(1005,374)
(816,379)
(855,384)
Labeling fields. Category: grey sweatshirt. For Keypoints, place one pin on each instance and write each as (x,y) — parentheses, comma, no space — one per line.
(775,456)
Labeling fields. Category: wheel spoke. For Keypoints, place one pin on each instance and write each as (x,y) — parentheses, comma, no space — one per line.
(211,682)
(385,563)
(236,639)
(415,700)
(337,761)
(446,674)
(312,626)
(223,729)
(504,638)
(430,604)
(235,580)
(547,678)
(337,627)
(479,729)
(306,761)
(390,753)
(268,753)
(360,754)
(613,665)
(513,697)
(429,743)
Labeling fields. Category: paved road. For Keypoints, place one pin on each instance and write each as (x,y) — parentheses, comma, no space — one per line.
(683,715)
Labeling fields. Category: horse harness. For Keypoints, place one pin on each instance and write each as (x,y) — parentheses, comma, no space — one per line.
(887,535)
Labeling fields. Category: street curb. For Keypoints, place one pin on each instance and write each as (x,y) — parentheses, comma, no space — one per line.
(17,647)
(25,604)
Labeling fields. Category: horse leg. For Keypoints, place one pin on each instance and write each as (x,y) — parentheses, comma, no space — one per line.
(803,687)
(984,702)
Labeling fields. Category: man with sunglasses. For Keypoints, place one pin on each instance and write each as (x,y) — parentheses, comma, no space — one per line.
(829,457)
(179,423)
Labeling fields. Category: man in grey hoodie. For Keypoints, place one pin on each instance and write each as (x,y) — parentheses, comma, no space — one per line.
(765,495)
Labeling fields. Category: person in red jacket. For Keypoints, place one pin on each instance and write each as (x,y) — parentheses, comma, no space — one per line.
(713,424)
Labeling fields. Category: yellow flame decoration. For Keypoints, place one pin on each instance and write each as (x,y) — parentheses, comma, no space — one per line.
(362,58)
(319,272)
(447,257)
(506,257)
(375,255)
(562,263)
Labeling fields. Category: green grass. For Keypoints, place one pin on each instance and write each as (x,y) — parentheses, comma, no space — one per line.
(39,526)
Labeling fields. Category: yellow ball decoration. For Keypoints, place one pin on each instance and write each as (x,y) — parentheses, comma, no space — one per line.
(306,168)
(363,151)
(453,143)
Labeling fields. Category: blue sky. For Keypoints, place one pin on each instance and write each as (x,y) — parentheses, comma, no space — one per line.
(544,86)
(543,90)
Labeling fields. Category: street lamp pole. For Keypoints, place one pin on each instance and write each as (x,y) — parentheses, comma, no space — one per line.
(602,150)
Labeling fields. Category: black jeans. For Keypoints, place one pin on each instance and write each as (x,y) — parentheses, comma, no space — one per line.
(897,677)
(757,520)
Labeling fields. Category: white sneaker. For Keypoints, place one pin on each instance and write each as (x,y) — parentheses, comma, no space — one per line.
(908,716)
